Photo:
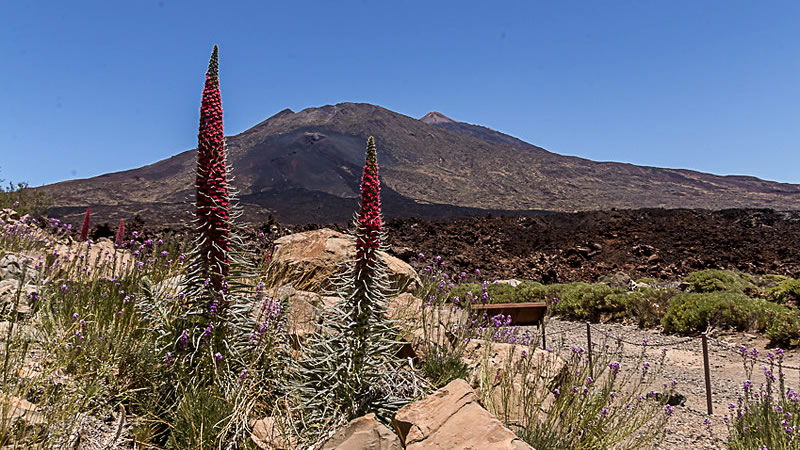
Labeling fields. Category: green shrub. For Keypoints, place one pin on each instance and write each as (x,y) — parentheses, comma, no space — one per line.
(460,290)
(769,280)
(530,292)
(786,291)
(713,280)
(646,305)
(648,281)
(783,326)
(695,312)
(584,301)
(500,293)
(441,371)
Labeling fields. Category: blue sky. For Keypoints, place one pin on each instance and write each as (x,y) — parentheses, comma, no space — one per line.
(90,87)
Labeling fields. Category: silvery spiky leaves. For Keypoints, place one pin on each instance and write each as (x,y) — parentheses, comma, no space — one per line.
(209,327)
(350,366)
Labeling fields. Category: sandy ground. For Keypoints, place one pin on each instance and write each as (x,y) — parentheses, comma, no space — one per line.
(684,363)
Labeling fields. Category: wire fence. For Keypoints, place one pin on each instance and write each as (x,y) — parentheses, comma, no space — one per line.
(774,358)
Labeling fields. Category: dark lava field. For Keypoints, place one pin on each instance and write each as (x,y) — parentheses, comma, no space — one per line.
(664,244)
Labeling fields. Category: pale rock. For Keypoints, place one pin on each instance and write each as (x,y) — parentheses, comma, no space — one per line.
(8,215)
(305,311)
(11,267)
(15,408)
(490,362)
(315,257)
(267,435)
(452,418)
(364,433)
(8,293)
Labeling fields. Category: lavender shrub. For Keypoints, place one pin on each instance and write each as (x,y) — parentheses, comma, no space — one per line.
(766,416)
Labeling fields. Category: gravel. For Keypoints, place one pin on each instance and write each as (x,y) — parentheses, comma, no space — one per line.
(684,363)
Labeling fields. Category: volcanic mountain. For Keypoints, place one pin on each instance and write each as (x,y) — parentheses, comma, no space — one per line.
(305,167)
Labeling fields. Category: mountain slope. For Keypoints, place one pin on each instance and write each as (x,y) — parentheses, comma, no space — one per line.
(305,167)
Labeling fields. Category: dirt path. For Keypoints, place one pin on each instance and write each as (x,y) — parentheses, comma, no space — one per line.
(684,363)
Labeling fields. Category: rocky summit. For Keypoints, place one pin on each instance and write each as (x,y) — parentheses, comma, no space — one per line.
(304,167)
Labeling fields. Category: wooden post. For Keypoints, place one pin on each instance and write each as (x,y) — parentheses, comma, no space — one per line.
(589,348)
(544,338)
(707,373)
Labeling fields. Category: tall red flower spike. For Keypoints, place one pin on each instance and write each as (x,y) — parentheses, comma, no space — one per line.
(212,198)
(85,226)
(370,223)
(120,233)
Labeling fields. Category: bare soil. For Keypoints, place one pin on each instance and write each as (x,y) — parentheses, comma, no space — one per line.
(684,363)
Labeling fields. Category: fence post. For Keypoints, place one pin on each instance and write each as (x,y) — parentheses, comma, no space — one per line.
(707,373)
(589,348)
(544,339)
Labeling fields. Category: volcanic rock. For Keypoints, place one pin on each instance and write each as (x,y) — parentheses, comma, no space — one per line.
(364,433)
(316,256)
(452,418)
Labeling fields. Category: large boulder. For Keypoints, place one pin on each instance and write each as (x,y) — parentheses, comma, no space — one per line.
(305,310)
(452,418)
(310,260)
(364,433)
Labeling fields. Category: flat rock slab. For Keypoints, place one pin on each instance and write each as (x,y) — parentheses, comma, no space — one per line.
(364,433)
(452,418)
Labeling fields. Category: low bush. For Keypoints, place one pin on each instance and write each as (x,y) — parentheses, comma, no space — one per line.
(787,291)
(584,301)
(586,405)
(767,416)
(695,312)
(769,280)
(713,280)
(783,326)
(495,293)
(646,305)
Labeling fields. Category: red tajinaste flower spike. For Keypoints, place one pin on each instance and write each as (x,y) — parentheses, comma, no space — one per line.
(370,222)
(85,226)
(120,233)
(212,197)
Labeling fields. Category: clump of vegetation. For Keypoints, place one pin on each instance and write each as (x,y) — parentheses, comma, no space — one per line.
(713,280)
(696,312)
(350,367)
(646,305)
(23,199)
(786,291)
(585,404)
(767,416)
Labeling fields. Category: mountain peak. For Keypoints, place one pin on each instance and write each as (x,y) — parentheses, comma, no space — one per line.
(435,117)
